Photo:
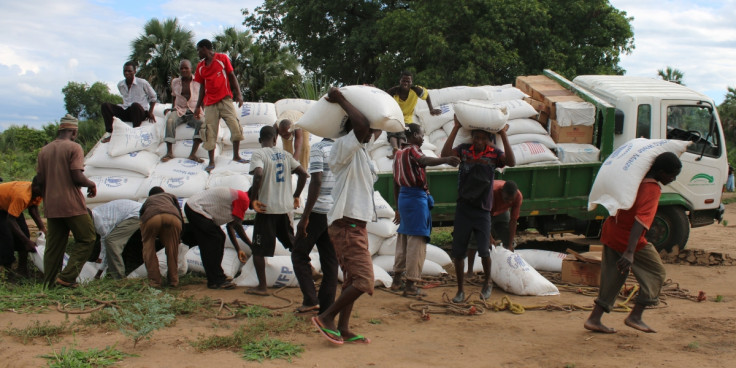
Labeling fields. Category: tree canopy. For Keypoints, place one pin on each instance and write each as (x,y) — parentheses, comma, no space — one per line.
(671,74)
(158,51)
(83,101)
(446,42)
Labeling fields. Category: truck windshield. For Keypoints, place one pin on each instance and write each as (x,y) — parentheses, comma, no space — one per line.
(693,123)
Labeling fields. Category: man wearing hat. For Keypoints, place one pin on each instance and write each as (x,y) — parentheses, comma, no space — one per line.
(59,173)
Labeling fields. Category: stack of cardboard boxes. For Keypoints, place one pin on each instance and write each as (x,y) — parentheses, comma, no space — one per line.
(544,94)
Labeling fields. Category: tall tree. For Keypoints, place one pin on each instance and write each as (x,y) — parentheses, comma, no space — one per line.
(671,74)
(447,42)
(265,70)
(727,113)
(83,100)
(158,51)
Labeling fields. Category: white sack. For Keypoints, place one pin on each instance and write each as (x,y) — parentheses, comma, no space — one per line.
(380,152)
(380,276)
(254,113)
(383,227)
(181,185)
(374,243)
(575,152)
(431,122)
(194,260)
(184,131)
(251,133)
(510,272)
(141,162)
(525,126)
(438,255)
(458,93)
(544,139)
(158,110)
(101,171)
(503,93)
(179,166)
(438,135)
(110,188)
(126,139)
(224,163)
(428,269)
(228,179)
(279,273)
(616,184)
(388,247)
(575,113)
(384,164)
(298,104)
(181,262)
(383,209)
(182,149)
(381,141)
(531,152)
(542,260)
(243,246)
(230,262)
(475,116)
(327,119)
(89,269)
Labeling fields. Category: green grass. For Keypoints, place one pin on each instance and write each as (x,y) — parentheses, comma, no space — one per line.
(36,329)
(441,237)
(233,341)
(73,358)
(719,298)
(268,348)
(374,321)
(693,345)
(254,311)
(141,318)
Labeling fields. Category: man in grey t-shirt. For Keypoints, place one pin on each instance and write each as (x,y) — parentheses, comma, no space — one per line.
(312,229)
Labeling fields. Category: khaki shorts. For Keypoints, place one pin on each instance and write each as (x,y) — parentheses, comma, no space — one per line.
(350,240)
(226,110)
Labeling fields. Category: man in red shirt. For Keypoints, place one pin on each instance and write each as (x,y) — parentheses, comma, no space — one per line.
(215,74)
(507,200)
(413,203)
(626,249)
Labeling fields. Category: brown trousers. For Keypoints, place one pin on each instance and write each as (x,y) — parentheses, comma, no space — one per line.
(167,228)
(411,250)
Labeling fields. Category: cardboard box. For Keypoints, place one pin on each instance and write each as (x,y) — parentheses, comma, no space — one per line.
(524,82)
(541,91)
(578,272)
(571,134)
(552,101)
(537,105)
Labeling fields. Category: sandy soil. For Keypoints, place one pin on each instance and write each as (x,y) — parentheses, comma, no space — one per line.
(689,333)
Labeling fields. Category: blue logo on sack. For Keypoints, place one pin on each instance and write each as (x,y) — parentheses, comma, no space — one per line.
(133,154)
(246,110)
(114,181)
(146,139)
(188,163)
(175,182)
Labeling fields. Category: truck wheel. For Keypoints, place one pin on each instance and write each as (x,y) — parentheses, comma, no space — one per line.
(670,227)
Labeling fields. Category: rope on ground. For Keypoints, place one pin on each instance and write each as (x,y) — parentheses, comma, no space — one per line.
(232,307)
(100,305)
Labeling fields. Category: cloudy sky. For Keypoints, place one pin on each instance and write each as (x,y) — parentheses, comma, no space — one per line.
(46,43)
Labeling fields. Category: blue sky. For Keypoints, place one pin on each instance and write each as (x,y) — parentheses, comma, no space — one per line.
(46,43)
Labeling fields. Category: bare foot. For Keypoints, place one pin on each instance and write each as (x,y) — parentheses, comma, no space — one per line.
(391,156)
(167,157)
(105,140)
(193,158)
(598,327)
(639,325)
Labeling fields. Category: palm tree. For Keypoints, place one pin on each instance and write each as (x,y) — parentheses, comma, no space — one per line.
(671,75)
(158,51)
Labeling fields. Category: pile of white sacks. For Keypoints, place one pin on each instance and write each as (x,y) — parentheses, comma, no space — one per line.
(529,139)
(129,165)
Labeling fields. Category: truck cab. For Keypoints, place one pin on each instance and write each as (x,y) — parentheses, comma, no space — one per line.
(657,109)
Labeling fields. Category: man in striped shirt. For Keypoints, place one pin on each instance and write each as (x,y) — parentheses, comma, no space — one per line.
(413,203)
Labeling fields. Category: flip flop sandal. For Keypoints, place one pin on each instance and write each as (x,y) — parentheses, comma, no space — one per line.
(242,161)
(307,309)
(209,168)
(331,336)
(358,339)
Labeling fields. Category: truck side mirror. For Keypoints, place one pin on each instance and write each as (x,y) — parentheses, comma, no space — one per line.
(618,120)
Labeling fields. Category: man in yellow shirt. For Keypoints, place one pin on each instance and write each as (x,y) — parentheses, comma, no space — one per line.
(407,95)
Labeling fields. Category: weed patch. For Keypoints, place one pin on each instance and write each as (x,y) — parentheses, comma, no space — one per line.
(271,349)
(72,358)
(37,329)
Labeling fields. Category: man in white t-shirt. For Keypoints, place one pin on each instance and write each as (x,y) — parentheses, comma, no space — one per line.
(312,229)
(353,207)
(271,197)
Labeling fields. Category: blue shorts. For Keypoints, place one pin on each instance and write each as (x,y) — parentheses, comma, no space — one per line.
(471,220)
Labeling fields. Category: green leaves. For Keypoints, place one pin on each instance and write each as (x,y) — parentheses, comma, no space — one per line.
(139,320)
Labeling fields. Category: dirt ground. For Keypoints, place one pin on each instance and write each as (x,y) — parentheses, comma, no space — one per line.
(689,333)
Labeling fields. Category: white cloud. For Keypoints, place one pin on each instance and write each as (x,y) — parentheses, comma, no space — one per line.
(33,90)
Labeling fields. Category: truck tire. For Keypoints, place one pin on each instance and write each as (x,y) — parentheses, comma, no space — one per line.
(670,228)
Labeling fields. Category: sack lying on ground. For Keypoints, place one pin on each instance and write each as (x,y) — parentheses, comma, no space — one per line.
(512,274)
(618,179)
(181,262)
(327,119)
(542,260)
(437,255)
(142,162)
(89,270)
(279,273)
(126,139)
(429,268)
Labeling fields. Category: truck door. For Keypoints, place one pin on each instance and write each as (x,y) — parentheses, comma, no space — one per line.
(704,162)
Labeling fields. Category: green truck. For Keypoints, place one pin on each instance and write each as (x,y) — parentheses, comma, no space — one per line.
(556,196)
